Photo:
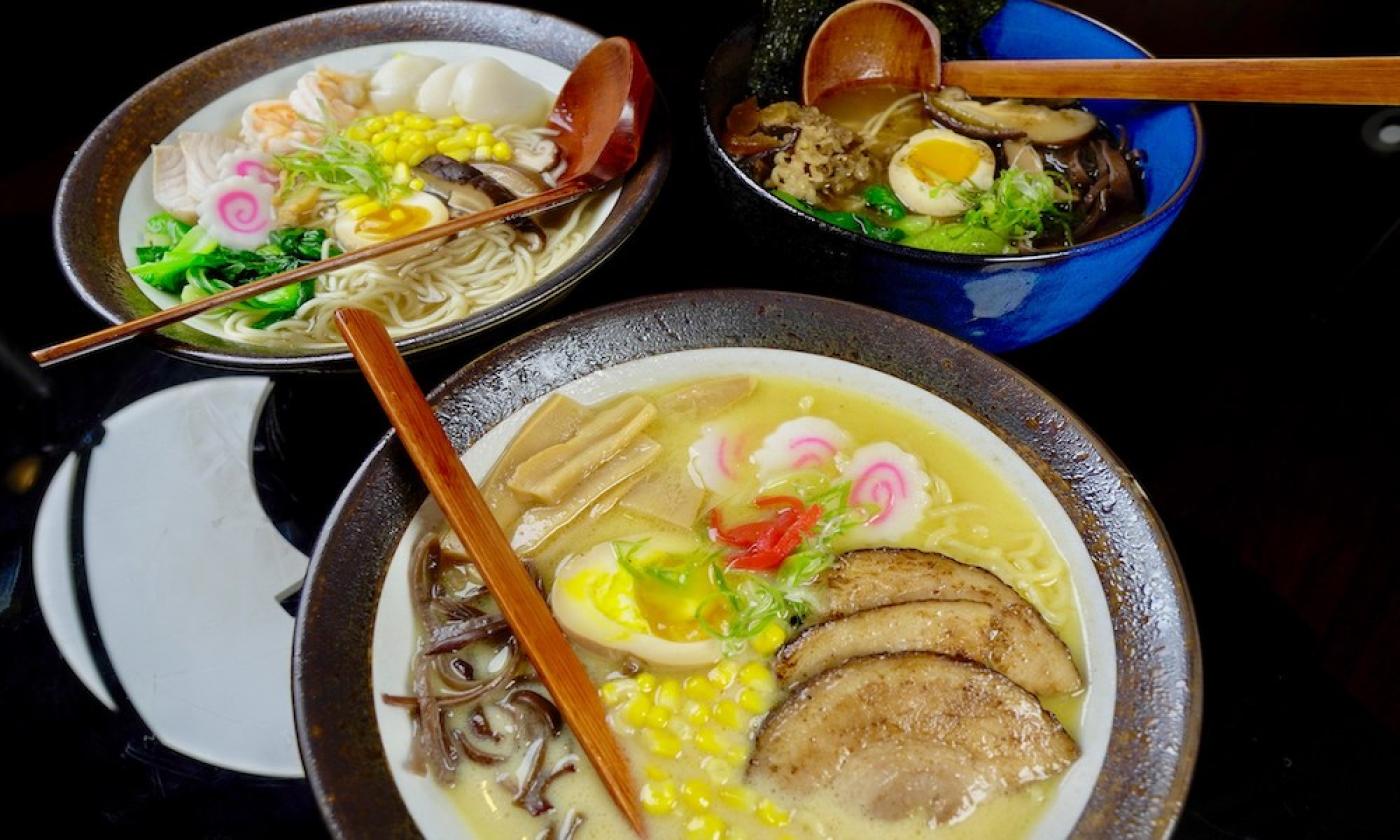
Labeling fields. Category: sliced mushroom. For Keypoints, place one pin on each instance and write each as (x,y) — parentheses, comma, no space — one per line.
(465,187)
(861,580)
(1012,118)
(516,180)
(910,733)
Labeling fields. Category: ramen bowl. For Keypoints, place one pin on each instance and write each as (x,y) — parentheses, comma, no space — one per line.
(105,196)
(996,302)
(355,630)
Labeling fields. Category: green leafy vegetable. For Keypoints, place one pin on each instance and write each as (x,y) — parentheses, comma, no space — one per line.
(959,238)
(167,271)
(881,198)
(846,221)
(165,229)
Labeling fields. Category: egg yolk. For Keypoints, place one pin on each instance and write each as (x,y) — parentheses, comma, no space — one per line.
(647,607)
(393,222)
(937,161)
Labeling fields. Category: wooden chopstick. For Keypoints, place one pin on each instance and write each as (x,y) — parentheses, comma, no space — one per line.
(537,203)
(511,586)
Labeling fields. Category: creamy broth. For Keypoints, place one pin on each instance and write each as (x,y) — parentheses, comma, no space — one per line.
(974,517)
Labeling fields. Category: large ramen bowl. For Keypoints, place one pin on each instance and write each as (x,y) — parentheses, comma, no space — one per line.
(355,631)
(996,302)
(105,195)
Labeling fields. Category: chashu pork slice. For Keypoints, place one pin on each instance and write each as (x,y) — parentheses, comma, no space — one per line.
(1026,649)
(909,733)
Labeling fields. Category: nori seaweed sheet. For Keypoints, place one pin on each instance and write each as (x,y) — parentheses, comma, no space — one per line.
(786,26)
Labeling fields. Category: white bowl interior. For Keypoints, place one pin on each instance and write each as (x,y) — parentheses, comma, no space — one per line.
(394,638)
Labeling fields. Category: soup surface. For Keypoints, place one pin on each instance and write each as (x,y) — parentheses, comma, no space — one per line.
(716,543)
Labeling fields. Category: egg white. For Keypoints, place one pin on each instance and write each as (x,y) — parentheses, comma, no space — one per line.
(938,199)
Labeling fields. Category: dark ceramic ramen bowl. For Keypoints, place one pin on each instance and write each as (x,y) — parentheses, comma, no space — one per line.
(996,302)
(1157,711)
(85,222)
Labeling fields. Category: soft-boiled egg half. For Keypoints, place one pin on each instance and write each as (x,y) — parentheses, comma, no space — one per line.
(927,171)
(604,606)
(371,223)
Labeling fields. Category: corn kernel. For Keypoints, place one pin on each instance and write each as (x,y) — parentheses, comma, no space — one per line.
(486,138)
(453,121)
(696,713)
(704,827)
(752,701)
(482,153)
(365,209)
(397,214)
(401,173)
(700,689)
(728,713)
(658,717)
(482,126)
(434,135)
(659,797)
(756,675)
(710,741)
(420,154)
(646,683)
(723,674)
(416,138)
(771,814)
(502,151)
(388,150)
(717,769)
(769,639)
(668,693)
(419,122)
(615,691)
(453,143)
(737,797)
(635,711)
(408,151)
(662,743)
(357,133)
(697,794)
(351,202)
(416,184)
(398,116)
(656,774)
(460,155)
(393,129)
(374,124)
(377,138)
(470,137)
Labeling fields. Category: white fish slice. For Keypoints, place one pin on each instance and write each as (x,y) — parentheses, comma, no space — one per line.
(170,184)
(202,152)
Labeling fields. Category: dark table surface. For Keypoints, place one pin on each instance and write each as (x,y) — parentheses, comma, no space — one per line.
(1243,376)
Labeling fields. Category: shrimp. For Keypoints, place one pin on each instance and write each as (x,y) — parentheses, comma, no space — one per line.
(329,94)
(275,127)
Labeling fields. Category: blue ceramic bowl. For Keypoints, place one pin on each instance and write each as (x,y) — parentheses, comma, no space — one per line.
(998,303)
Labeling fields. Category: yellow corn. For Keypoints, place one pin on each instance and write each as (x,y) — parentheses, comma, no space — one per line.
(728,713)
(668,693)
(377,138)
(709,740)
(771,814)
(460,155)
(358,133)
(453,121)
(696,713)
(416,184)
(699,688)
(756,675)
(737,797)
(704,827)
(613,692)
(398,116)
(393,129)
(486,138)
(416,138)
(482,126)
(723,673)
(453,143)
(752,701)
(388,150)
(374,124)
(769,639)
(635,711)
(656,774)
(697,794)
(662,743)
(351,202)
(420,154)
(365,209)
(659,797)
(720,771)
(482,153)
(658,717)
(401,173)
(646,682)
(502,151)
(419,122)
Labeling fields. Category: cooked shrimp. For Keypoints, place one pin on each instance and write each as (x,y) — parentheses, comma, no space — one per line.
(275,127)
(325,93)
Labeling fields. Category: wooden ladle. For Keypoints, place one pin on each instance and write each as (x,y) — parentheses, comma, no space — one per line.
(601,114)
(886,42)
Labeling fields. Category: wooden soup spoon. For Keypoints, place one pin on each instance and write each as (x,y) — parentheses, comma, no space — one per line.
(600,114)
(886,42)
(511,586)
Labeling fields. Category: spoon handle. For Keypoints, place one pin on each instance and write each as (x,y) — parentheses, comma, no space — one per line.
(1340,81)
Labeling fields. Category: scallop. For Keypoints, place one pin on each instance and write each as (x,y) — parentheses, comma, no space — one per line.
(394,86)
(488,91)
(435,93)
(930,171)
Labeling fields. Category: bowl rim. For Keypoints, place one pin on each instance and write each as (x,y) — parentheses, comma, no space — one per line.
(918,255)
(639,191)
(1141,789)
